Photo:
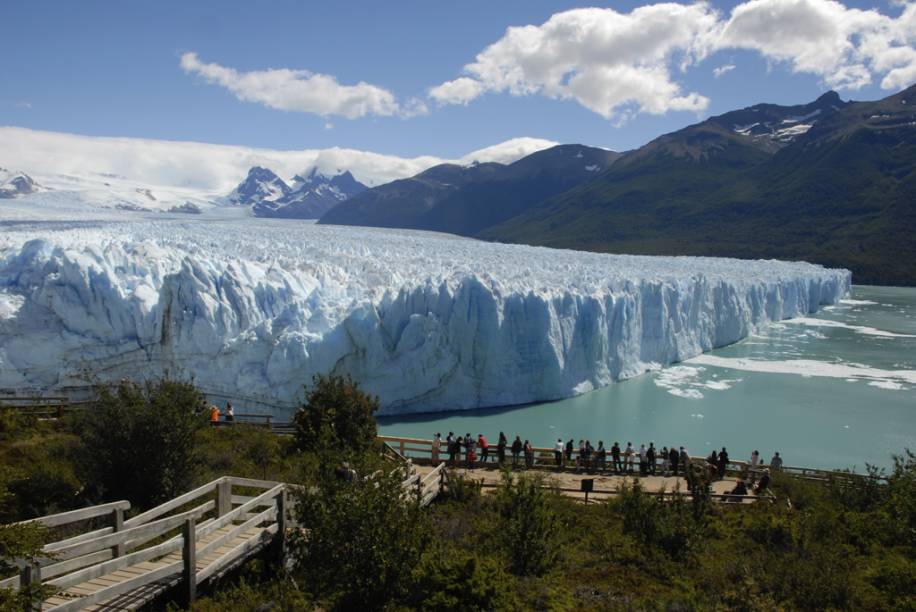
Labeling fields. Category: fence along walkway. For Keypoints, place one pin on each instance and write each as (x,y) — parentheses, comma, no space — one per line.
(129,563)
(420,450)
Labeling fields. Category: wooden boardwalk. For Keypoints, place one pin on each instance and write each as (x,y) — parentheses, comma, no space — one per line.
(174,547)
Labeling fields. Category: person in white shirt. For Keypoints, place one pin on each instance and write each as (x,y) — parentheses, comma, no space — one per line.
(437,443)
(643,459)
(558,453)
(628,454)
(755,459)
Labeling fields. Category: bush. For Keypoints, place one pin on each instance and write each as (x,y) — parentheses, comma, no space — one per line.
(336,416)
(528,525)
(364,538)
(456,580)
(667,526)
(138,441)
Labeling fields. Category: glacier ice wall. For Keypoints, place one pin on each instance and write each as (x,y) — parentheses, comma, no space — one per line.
(426,321)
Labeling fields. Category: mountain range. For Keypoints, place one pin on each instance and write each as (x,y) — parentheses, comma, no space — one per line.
(831,182)
(308,197)
(468,199)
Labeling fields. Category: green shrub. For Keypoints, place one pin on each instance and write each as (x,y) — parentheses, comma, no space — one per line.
(528,525)
(364,537)
(336,416)
(456,580)
(138,441)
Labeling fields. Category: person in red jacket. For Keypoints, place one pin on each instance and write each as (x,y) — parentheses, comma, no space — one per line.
(484,448)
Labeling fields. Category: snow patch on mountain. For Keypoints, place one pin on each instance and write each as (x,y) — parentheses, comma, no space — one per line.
(426,321)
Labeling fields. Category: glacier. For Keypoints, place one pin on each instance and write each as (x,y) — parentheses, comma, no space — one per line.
(428,322)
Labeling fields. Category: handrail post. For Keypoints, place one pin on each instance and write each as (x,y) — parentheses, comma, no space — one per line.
(189,560)
(117,524)
(223,497)
(30,581)
(282,505)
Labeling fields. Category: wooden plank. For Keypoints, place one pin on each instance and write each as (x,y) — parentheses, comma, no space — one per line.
(253,483)
(235,554)
(128,560)
(64,518)
(154,528)
(118,589)
(268,515)
(172,504)
(241,510)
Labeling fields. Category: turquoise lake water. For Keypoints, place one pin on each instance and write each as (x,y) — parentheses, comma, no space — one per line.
(834,390)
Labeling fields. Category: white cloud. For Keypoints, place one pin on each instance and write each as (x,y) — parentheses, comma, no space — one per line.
(297,90)
(460,91)
(215,169)
(24,104)
(723,69)
(618,64)
(846,47)
(603,59)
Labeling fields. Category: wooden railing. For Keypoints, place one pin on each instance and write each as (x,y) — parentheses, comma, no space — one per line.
(124,544)
(420,450)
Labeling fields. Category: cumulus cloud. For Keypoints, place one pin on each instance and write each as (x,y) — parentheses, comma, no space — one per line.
(210,168)
(298,90)
(603,59)
(617,64)
(846,47)
(723,69)
(460,91)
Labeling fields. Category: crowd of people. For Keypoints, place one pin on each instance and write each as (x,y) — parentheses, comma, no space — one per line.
(584,457)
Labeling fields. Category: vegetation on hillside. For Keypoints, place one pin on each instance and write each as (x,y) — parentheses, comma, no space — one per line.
(835,545)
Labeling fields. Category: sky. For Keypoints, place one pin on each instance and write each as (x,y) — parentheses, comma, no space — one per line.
(411,78)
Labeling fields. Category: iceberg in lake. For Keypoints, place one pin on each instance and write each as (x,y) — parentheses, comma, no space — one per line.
(426,321)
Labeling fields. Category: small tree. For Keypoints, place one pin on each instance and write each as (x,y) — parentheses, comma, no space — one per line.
(336,415)
(18,543)
(528,525)
(138,441)
(361,540)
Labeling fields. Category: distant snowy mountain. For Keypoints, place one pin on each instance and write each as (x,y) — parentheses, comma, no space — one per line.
(773,126)
(13,184)
(260,184)
(309,197)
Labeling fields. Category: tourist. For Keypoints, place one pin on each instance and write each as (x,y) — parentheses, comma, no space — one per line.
(673,457)
(501,448)
(643,458)
(459,442)
(755,459)
(529,455)
(471,453)
(516,450)
(558,453)
(665,462)
(214,415)
(451,445)
(650,458)
(723,463)
(569,451)
(764,482)
(739,490)
(615,457)
(437,443)
(601,456)
(484,448)
(589,455)
(230,413)
(628,457)
(581,457)
(776,462)
(684,460)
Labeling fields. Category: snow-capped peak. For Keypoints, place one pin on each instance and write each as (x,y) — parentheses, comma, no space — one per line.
(260,184)
(311,195)
(14,184)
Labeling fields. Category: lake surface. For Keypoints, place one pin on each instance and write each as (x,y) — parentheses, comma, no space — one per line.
(837,389)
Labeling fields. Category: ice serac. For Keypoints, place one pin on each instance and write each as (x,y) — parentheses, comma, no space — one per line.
(428,322)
